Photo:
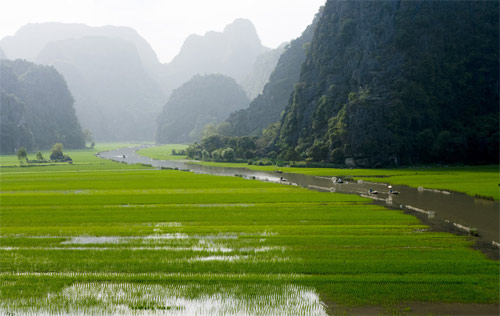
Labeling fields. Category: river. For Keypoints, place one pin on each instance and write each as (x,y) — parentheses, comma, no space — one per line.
(441,210)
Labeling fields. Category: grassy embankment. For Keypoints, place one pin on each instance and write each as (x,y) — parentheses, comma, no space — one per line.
(113,238)
(478,180)
(164,152)
(82,159)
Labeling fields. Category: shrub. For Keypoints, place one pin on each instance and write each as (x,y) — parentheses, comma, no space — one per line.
(228,154)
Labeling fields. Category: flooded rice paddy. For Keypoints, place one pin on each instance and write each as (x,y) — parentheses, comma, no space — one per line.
(106,298)
(163,242)
(443,210)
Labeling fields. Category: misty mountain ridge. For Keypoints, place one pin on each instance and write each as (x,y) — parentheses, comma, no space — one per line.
(116,99)
(232,52)
(32,38)
(266,108)
(254,82)
(118,83)
(200,101)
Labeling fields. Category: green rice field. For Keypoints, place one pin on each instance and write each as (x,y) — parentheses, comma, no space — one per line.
(164,152)
(99,238)
(472,180)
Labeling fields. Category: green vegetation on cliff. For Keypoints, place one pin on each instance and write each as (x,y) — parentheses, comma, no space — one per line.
(36,108)
(267,107)
(398,82)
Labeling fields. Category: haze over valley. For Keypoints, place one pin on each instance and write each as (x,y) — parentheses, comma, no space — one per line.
(342,95)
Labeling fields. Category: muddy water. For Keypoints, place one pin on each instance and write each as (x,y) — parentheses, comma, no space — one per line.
(442,210)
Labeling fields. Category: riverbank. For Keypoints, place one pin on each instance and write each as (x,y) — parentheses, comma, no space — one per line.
(442,211)
(476,181)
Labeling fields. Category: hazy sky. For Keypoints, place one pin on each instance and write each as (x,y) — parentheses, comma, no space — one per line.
(166,23)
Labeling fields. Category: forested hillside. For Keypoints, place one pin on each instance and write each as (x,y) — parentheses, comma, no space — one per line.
(267,107)
(398,82)
(36,108)
(200,101)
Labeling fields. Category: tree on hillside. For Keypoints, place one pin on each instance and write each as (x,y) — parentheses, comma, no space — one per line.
(87,136)
(21,154)
(228,154)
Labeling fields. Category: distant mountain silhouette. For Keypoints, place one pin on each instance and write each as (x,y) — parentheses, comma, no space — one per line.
(200,101)
(232,52)
(267,107)
(116,79)
(115,96)
(254,82)
(30,39)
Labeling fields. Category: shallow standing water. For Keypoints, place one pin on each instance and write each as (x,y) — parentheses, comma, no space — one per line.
(442,210)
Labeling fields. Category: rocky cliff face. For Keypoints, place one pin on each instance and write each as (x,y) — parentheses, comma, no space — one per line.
(267,107)
(390,82)
(261,71)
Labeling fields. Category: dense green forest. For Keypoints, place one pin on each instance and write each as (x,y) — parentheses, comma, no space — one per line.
(267,107)
(36,108)
(202,100)
(398,82)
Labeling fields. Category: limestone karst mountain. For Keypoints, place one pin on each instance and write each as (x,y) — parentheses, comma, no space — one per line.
(198,102)
(267,107)
(116,98)
(32,38)
(2,54)
(36,108)
(111,72)
(232,52)
(398,82)
(254,82)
